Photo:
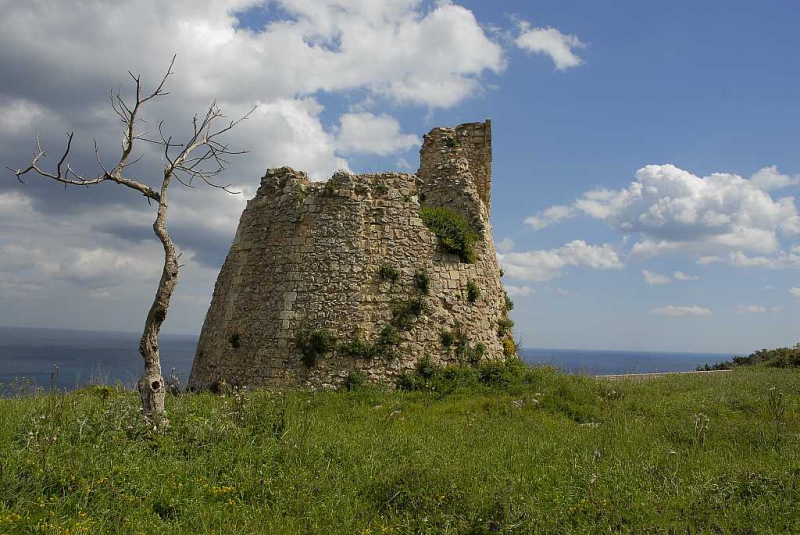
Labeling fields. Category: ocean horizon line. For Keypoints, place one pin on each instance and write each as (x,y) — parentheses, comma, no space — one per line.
(524,347)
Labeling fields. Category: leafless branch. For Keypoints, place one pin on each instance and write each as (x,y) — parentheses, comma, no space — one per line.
(201,157)
(187,164)
(129,115)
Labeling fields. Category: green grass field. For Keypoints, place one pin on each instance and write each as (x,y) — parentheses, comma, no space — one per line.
(497,450)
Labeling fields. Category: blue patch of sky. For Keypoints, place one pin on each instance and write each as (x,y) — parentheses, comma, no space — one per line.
(256,18)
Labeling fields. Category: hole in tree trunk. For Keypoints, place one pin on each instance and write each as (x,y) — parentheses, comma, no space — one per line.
(155,386)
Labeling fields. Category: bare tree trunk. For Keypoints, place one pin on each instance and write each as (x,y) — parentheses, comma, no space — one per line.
(205,166)
(151,385)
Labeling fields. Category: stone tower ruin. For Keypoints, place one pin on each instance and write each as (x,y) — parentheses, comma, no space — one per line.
(361,274)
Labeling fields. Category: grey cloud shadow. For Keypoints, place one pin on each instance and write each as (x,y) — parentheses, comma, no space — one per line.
(209,247)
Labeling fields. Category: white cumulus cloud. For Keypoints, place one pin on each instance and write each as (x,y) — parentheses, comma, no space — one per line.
(560,47)
(18,115)
(676,212)
(795,292)
(556,290)
(681,276)
(519,291)
(366,133)
(297,137)
(758,309)
(769,178)
(779,260)
(671,310)
(551,215)
(708,260)
(506,245)
(655,279)
(544,265)
(12,204)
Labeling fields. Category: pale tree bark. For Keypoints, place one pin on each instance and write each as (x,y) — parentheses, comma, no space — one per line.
(151,385)
(201,157)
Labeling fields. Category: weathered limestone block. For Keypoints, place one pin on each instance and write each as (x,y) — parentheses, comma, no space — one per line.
(307,256)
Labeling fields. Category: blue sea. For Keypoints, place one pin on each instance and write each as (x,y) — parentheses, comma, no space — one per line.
(605,362)
(83,357)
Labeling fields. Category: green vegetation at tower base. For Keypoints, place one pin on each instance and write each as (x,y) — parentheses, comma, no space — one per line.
(491,449)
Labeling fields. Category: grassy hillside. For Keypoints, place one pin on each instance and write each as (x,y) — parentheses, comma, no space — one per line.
(496,450)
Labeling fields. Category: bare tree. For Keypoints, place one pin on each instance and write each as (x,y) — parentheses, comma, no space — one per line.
(202,157)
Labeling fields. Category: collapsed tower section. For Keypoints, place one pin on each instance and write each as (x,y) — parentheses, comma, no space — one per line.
(362,275)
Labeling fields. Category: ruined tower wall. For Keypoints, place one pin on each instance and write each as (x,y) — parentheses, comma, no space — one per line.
(307,256)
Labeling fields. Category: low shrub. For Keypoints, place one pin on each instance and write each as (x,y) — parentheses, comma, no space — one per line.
(509,347)
(422,282)
(509,304)
(354,380)
(512,376)
(357,348)
(478,351)
(504,326)
(452,142)
(473,355)
(388,339)
(495,374)
(447,338)
(461,343)
(453,230)
(313,344)
(330,188)
(473,291)
(782,357)
(235,340)
(425,368)
(389,272)
(405,313)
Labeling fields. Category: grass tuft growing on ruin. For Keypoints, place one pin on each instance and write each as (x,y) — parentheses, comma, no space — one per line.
(453,230)
(422,282)
(473,291)
(385,345)
(495,448)
(405,312)
(314,344)
(389,273)
(504,326)
(509,304)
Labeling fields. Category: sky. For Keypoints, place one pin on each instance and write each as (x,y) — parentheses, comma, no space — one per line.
(646,154)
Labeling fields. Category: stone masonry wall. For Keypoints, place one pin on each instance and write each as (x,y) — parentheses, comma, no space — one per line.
(307,256)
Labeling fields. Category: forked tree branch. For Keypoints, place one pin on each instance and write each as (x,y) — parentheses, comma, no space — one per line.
(186,167)
(182,163)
